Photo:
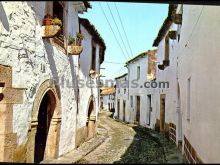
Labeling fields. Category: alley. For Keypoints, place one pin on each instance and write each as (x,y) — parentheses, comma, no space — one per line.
(128,143)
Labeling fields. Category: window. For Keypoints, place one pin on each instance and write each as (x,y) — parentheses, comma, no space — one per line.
(124,90)
(131,98)
(188,98)
(58,11)
(138,72)
(93,65)
(118,90)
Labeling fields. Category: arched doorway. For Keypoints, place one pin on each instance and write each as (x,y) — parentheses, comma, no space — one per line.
(91,122)
(44,128)
(45,113)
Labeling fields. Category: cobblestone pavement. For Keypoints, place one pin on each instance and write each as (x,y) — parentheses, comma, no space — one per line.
(128,143)
(117,142)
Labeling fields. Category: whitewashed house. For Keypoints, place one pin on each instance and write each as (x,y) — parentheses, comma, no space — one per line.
(89,95)
(41,113)
(121,98)
(107,98)
(140,99)
(191,104)
(198,81)
(167,109)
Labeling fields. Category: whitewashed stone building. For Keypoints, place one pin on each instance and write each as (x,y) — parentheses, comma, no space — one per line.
(191,103)
(42,116)
(198,79)
(167,110)
(107,98)
(140,71)
(121,98)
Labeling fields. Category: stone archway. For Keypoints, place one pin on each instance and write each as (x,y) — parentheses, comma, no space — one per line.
(45,124)
(91,119)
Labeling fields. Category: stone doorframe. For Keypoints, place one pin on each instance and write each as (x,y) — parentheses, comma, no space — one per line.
(91,118)
(52,144)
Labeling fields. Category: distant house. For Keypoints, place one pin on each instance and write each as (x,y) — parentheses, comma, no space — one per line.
(121,98)
(140,70)
(108,98)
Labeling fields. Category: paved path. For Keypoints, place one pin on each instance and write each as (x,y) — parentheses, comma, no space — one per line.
(132,144)
(117,142)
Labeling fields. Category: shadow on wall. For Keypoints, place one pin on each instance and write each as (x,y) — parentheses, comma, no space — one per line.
(149,146)
(3,17)
(50,57)
(34,7)
(74,78)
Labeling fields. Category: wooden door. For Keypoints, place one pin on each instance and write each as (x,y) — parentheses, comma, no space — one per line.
(124,104)
(138,109)
(162,113)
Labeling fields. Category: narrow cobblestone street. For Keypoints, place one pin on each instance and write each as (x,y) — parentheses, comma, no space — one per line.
(131,144)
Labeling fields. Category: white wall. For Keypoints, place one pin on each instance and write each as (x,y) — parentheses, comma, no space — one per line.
(87,91)
(138,91)
(108,101)
(34,60)
(122,95)
(169,74)
(200,61)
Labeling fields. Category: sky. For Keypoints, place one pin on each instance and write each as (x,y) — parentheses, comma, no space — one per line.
(141,23)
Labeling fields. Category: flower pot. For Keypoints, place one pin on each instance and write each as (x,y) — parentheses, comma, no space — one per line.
(78,42)
(50,31)
(47,21)
(74,49)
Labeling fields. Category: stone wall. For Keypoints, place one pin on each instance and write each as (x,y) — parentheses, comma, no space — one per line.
(33,61)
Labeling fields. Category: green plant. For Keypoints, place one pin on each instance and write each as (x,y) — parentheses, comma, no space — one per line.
(57,21)
(71,39)
(79,36)
(48,16)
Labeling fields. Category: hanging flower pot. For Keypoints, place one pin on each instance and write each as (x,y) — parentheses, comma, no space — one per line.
(50,31)
(51,27)
(47,20)
(74,47)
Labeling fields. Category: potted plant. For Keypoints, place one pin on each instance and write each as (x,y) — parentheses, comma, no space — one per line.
(47,20)
(79,38)
(57,21)
(51,26)
(74,47)
(71,40)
